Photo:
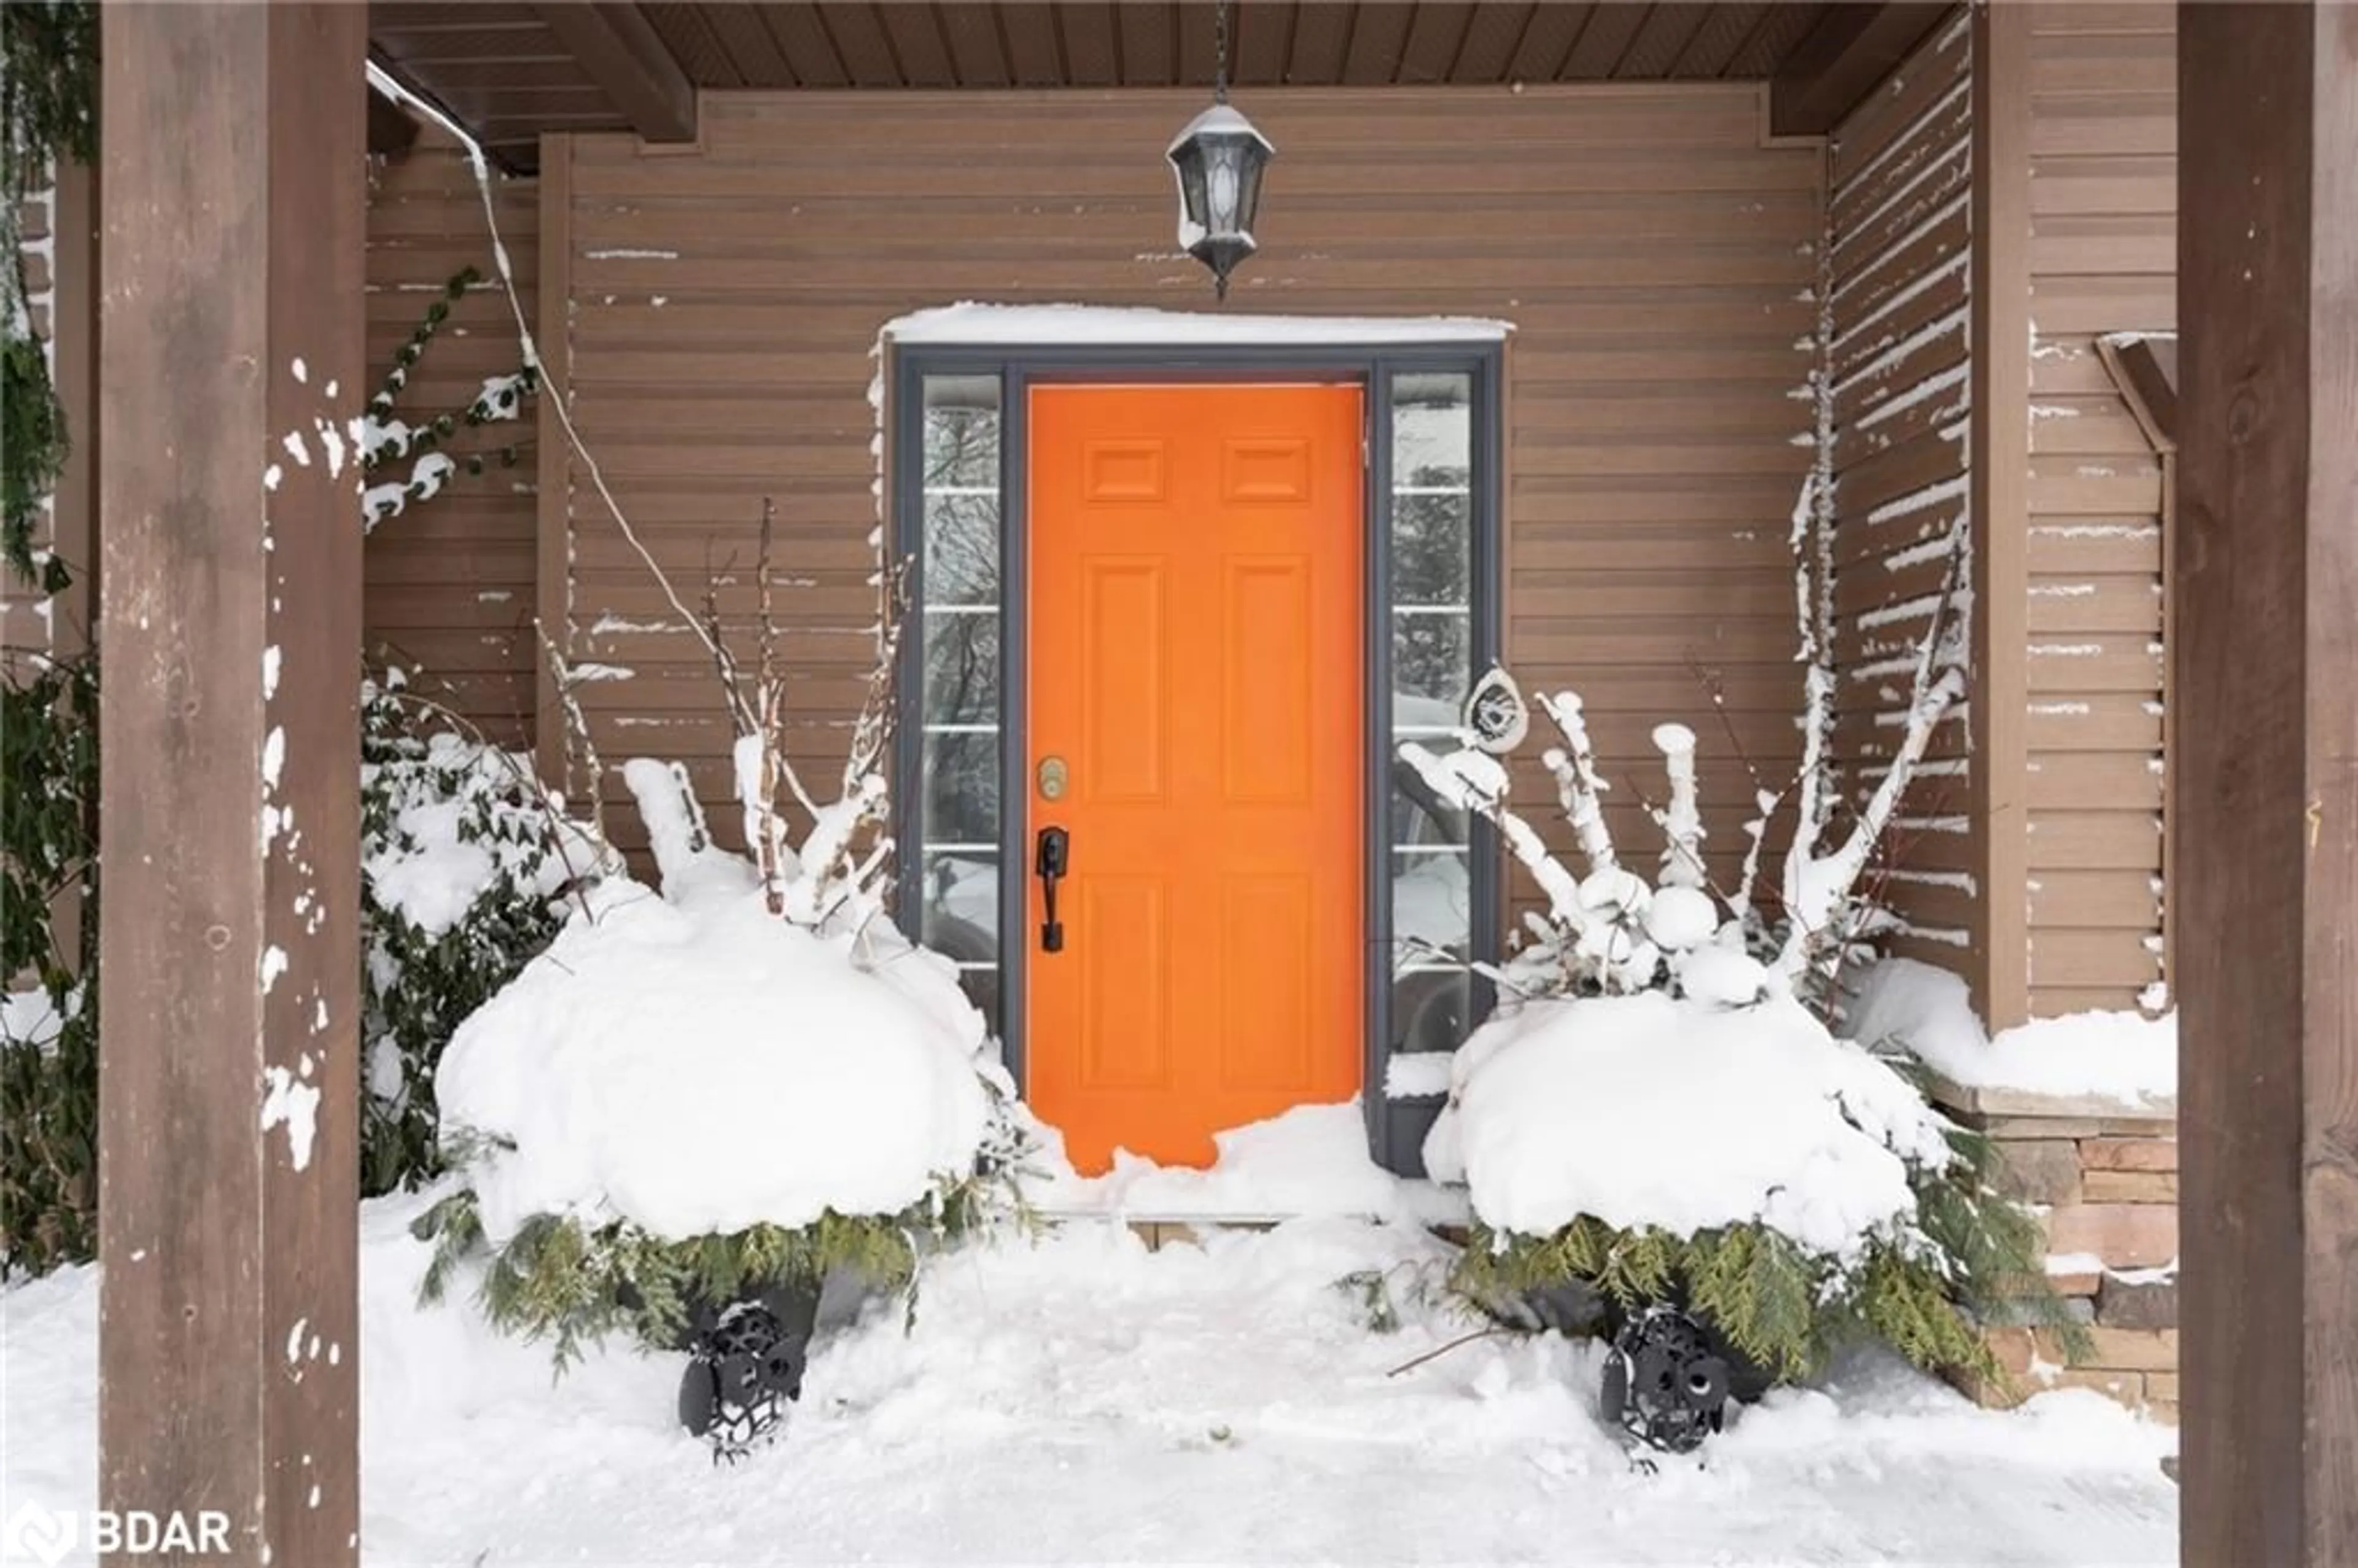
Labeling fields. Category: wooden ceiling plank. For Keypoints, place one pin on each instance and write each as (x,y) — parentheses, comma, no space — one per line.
(1028,32)
(806,44)
(914,32)
(1851,48)
(860,40)
(1779,33)
(1147,52)
(1322,41)
(1723,31)
(754,53)
(1087,30)
(1611,31)
(1261,42)
(620,50)
(461,74)
(973,40)
(1436,35)
(1548,41)
(1198,42)
(1493,34)
(1666,35)
(1379,34)
(709,62)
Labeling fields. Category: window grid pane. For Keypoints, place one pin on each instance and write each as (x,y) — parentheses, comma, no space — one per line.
(963,673)
(1429,623)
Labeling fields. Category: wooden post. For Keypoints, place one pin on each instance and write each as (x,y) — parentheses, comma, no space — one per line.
(2265,566)
(232,367)
(1998,718)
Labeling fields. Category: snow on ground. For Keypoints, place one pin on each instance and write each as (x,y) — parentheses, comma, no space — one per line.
(1311,1160)
(1081,1400)
(2124,1056)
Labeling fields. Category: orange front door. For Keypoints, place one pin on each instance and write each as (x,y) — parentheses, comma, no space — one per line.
(1194,659)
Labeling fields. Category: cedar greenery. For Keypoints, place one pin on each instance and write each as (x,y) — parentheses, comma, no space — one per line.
(48,112)
(1972,1256)
(573,1285)
(49,847)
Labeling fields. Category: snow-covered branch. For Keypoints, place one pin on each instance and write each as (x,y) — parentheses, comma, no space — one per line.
(1578,784)
(1474,780)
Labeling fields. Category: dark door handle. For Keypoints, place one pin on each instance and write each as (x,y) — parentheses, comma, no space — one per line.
(1049,861)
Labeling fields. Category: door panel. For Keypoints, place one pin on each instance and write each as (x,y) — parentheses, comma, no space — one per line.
(1196,634)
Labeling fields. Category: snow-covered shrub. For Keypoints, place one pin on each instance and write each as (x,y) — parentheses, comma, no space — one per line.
(690,1094)
(1792,1187)
(466,864)
(1658,1111)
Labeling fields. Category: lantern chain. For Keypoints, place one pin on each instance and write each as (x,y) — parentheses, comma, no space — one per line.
(1220,53)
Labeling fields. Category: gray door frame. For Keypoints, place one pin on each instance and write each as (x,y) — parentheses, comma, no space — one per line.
(1395,1127)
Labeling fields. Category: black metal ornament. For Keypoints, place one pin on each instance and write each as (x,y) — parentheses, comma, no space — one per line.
(743,1369)
(1218,159)
(1665,1382)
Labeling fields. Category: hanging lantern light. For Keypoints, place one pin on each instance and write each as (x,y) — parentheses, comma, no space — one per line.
(1218,159)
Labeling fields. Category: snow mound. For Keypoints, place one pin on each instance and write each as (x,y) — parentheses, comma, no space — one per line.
(708,1067)
(1651,1110)
(2127,1057)
(1310,1160)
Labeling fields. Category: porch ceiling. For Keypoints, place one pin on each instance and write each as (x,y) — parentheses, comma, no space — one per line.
(513,71)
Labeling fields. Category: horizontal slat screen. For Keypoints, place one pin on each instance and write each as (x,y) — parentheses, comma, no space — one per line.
(2104,243)
(1900,375)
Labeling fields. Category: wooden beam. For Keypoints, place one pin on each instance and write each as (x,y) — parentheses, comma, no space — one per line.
(2264,563)
(1852,50)
(621,52)
(231,375)
(1999,506)
(2145,369)
(391,129)
(553,525)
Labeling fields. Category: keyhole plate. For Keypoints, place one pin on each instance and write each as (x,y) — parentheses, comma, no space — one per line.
(1052,778)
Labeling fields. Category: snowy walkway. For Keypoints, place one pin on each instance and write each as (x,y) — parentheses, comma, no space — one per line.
(1083,1400)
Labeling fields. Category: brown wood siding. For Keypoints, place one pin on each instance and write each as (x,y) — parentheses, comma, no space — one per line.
(1655,257)
(2104,221)
(450,584)
(1899,371)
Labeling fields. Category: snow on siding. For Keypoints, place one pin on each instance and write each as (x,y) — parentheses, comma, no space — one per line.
(1901,376)
(1655,319)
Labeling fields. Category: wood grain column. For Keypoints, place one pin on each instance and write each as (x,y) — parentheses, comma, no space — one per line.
(1998,716)
(232,371)
(2265,675)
